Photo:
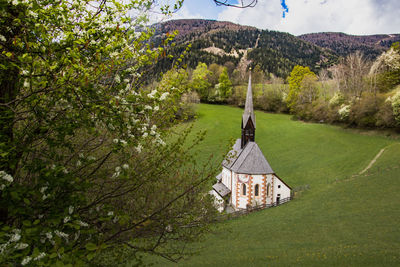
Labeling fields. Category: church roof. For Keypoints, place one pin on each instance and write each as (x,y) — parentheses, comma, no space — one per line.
(249,160)
(221,189)
(248,107)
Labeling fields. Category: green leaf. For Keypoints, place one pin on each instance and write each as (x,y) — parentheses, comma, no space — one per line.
(91,246)
(90,256)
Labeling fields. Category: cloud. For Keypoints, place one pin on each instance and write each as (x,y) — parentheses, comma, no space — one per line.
(305,16)
(185,13)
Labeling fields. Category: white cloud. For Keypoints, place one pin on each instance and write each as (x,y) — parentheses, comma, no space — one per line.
(305,16)
(185,13)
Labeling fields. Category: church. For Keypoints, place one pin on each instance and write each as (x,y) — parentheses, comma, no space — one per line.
(247,179)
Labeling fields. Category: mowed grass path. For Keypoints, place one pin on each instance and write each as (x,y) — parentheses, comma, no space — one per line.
(339,221)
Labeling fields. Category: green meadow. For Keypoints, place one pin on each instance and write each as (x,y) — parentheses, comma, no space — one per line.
(338,218)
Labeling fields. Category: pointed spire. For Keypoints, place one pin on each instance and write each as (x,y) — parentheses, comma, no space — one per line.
(248,108)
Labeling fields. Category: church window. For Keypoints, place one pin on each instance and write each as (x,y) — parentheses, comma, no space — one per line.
(279,186)
(256,190)
(244,189)
(268,190)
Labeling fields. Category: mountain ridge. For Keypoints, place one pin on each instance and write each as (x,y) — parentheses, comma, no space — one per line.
(275,52)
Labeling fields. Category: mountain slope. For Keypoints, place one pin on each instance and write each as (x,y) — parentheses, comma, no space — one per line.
(344,44)
(222,42)
(275,52)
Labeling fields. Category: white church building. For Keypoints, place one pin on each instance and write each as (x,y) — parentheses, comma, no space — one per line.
(247,179)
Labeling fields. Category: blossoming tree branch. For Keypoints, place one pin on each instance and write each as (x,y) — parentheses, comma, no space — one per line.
(88,159)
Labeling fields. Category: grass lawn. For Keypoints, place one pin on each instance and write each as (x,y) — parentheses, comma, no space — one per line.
(339,221)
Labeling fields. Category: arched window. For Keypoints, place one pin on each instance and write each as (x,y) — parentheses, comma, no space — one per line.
(244,189)
(268,190)
(256,190)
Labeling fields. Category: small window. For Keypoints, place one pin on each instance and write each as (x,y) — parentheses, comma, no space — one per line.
(279,186)
(256,190)
(244,189)
(268,190)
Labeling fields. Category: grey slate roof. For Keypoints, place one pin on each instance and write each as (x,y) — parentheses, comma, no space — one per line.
(248,108)
(232,155)
(249,160)
(221,189)
(219,176)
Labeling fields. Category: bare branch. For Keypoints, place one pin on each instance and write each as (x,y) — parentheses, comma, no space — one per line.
(241,4)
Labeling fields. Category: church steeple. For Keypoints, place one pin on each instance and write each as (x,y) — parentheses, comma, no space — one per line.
(248,118)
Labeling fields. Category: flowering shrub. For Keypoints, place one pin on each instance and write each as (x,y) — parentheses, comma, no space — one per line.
(344,112)
(84,161)
(395,101)
(337,99)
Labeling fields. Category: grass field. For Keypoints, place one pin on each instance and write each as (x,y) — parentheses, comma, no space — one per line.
(341,220)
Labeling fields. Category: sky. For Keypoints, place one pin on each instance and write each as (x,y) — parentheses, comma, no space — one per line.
(358,17)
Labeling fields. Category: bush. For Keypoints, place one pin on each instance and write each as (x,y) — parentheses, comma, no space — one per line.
(363,112)
(271,100)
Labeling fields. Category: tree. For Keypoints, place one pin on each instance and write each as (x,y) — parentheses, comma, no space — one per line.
(224,85)
(85,164)
(351,74)
(386,69)
(295,83)
(199,81)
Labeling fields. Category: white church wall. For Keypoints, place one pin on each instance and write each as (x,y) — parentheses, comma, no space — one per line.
(234,189)
(226,178)
(218,201)
(257,200)
(280,189)
(270,194)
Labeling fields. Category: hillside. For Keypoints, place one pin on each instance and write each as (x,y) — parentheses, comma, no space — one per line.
(275,52)
(222,42)
(344,44)
(342,219)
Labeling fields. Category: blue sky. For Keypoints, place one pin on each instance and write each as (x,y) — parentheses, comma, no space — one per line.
(305,16)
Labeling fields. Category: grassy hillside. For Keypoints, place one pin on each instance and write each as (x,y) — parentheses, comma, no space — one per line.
(340,221)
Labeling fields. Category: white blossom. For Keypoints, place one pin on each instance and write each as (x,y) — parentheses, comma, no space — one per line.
(117,169)
(117,79)
(70,209)
(125,166)
(61,234)
(6,176)
(123,142)
(49,235)
(164,96)
(115,141)
(40,256)
(15,237)
(145,135)
(115,175)
(21,246)
(344,111)
(67,219)
(148,107)
(110,213)
(43,189)
(26,84)
(26,260)
(83,224)
(78,163)
(151,95)
(156,108)
(139,148)
(2,38)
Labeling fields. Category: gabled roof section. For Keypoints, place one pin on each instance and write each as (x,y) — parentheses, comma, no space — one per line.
(248,108)
(251,161)
(232,155)
(221,189)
